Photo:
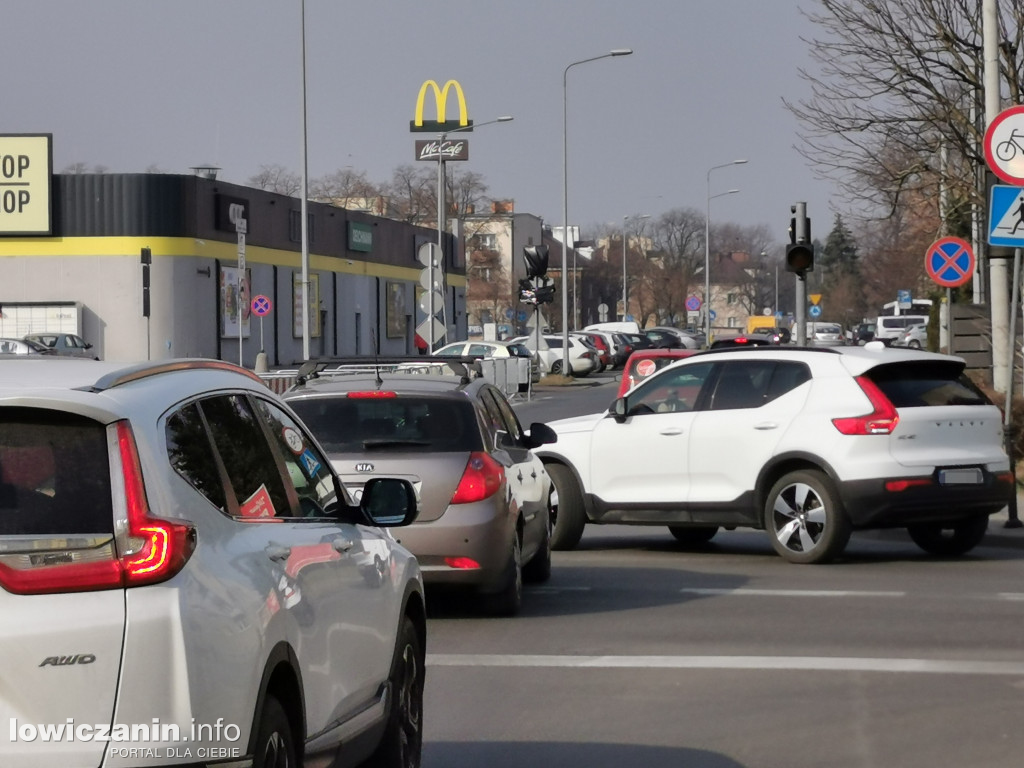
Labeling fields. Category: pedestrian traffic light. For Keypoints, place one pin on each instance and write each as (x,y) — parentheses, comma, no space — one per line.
(800,251)
(536,258)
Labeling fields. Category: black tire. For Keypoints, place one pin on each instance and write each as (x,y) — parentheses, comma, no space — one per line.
(402,743)
(804,518)
(693,536)
(538,570)
(275,741)
(556,368)
(508,600)
(914,344)
(570,516)
(949,539)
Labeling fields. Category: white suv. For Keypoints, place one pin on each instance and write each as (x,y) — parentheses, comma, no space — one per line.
(806,443)
(184,581)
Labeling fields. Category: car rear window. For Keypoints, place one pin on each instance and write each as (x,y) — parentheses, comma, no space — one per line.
(54,474)
(923,384)
(353,425)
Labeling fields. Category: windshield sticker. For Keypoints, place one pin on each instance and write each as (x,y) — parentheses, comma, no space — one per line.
(258,505)
(294,440)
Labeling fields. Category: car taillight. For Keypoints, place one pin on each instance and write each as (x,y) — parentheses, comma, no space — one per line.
(881,421)
(155,549)
(482,478)
(372,394)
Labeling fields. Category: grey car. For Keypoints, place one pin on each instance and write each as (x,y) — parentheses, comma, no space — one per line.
(69,344)
(176,550)
(485,498)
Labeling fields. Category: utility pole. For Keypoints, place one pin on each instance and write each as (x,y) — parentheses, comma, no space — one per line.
(800,259)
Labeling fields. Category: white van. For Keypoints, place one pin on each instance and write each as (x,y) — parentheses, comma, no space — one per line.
(627,326)
(888,328)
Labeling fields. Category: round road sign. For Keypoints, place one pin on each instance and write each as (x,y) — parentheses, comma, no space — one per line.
(693,303)
(1004,146)
(261,305)
(950,262)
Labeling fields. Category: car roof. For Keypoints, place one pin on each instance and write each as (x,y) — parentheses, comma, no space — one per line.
(855,359)
(647,353)
(437,376)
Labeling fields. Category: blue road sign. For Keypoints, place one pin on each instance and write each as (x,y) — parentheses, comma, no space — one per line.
(711,314)
(509,314)
(814,310)
(693,303)
(950,261)
(1006,216)
(261,305)
(904,299)
(521,315)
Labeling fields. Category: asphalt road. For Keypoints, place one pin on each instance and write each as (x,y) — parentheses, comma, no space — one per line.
(641,653)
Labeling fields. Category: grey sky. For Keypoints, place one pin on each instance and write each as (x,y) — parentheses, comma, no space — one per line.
(129,84)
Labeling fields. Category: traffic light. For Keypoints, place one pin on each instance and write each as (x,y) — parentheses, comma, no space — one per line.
(545,292)
(800,251)
(536,258)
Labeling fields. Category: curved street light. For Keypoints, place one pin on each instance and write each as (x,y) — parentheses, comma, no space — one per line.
(707,247)
(441,223)
(565,203)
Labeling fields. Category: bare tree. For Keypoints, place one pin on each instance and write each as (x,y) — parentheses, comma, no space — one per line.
(277,178)
(898,81)
(342,187)
(412,195)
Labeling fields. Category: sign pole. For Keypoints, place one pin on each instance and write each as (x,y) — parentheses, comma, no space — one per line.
(1008,433)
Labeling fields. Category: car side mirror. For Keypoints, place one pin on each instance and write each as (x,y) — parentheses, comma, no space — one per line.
(618,408)
(389,502)
(540,434)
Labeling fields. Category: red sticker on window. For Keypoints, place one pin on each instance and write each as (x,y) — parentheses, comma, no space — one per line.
(258,505)
(646,367)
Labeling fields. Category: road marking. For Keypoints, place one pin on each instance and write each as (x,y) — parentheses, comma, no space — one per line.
(814,663)
(794,592)
(1011,596)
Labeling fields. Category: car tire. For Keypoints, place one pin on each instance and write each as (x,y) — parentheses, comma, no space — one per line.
(693,536)
(804,518)
(914,344)
(538,570)
(556,368)
(508,600)
(401,746)
(275,741)
(949,539)
(570,516)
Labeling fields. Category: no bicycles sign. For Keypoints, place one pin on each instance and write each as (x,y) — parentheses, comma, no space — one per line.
(1004,146)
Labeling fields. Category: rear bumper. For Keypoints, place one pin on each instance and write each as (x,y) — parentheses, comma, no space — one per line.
(870,504)
(480,532)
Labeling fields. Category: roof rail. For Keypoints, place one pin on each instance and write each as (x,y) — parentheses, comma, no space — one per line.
(155,368)
(466,368)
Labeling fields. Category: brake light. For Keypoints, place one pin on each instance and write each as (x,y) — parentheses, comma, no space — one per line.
(881,421)
(156,549)
(373,394)
(481,479)
(896,486)
(462,563)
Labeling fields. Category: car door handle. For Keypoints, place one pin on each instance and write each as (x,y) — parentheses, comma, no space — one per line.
(342,543)
(277,552)
(671,431)
(520,476)
(767,425)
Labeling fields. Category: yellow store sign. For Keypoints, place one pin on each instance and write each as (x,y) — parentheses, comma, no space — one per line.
(26,164)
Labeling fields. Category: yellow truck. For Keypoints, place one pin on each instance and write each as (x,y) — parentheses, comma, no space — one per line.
(760,321)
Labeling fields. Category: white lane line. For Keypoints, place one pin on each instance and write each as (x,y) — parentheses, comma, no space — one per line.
(1011,596)
(814,663)
(794,592)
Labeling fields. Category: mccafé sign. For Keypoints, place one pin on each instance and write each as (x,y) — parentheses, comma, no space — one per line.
(435,149)
(441,124)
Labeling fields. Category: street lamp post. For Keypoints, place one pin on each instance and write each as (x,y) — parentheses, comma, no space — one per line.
(441,223)
(565,202)
(625,292)
(707,247)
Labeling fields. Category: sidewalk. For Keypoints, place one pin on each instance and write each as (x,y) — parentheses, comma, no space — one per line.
(998,530)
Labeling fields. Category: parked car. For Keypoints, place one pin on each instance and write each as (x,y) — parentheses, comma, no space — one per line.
(582,357)
(491,349)
(645,362)
(485,498)
(774,334)
(806,443)
(915,337)
(601,344)
(686,339)
(889,328)
(664,339)
(23,347)
(64,344)
(175,549)
(822,334)
(864,333)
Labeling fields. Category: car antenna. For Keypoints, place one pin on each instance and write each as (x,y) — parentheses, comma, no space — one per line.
(376,366)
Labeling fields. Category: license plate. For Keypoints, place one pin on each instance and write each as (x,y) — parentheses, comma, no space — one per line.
(960,476)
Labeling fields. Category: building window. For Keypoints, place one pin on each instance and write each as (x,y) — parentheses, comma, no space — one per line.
(731,298)
(295,227)
(485,242)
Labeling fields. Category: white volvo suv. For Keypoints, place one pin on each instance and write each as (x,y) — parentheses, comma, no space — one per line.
(806,443)
(184,581)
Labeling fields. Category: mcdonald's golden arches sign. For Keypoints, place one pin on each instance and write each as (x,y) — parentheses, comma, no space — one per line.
(442,123)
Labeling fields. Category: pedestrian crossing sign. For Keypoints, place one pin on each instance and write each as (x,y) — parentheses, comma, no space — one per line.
(1006,216)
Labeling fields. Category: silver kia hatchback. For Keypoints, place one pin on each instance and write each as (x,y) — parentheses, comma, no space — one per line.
(183,579)
(485,498)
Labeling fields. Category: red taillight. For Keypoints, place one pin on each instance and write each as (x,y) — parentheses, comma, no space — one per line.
(896,486)
(158,548)
(881,421)
(462,563)
(373,394)
(482,478)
